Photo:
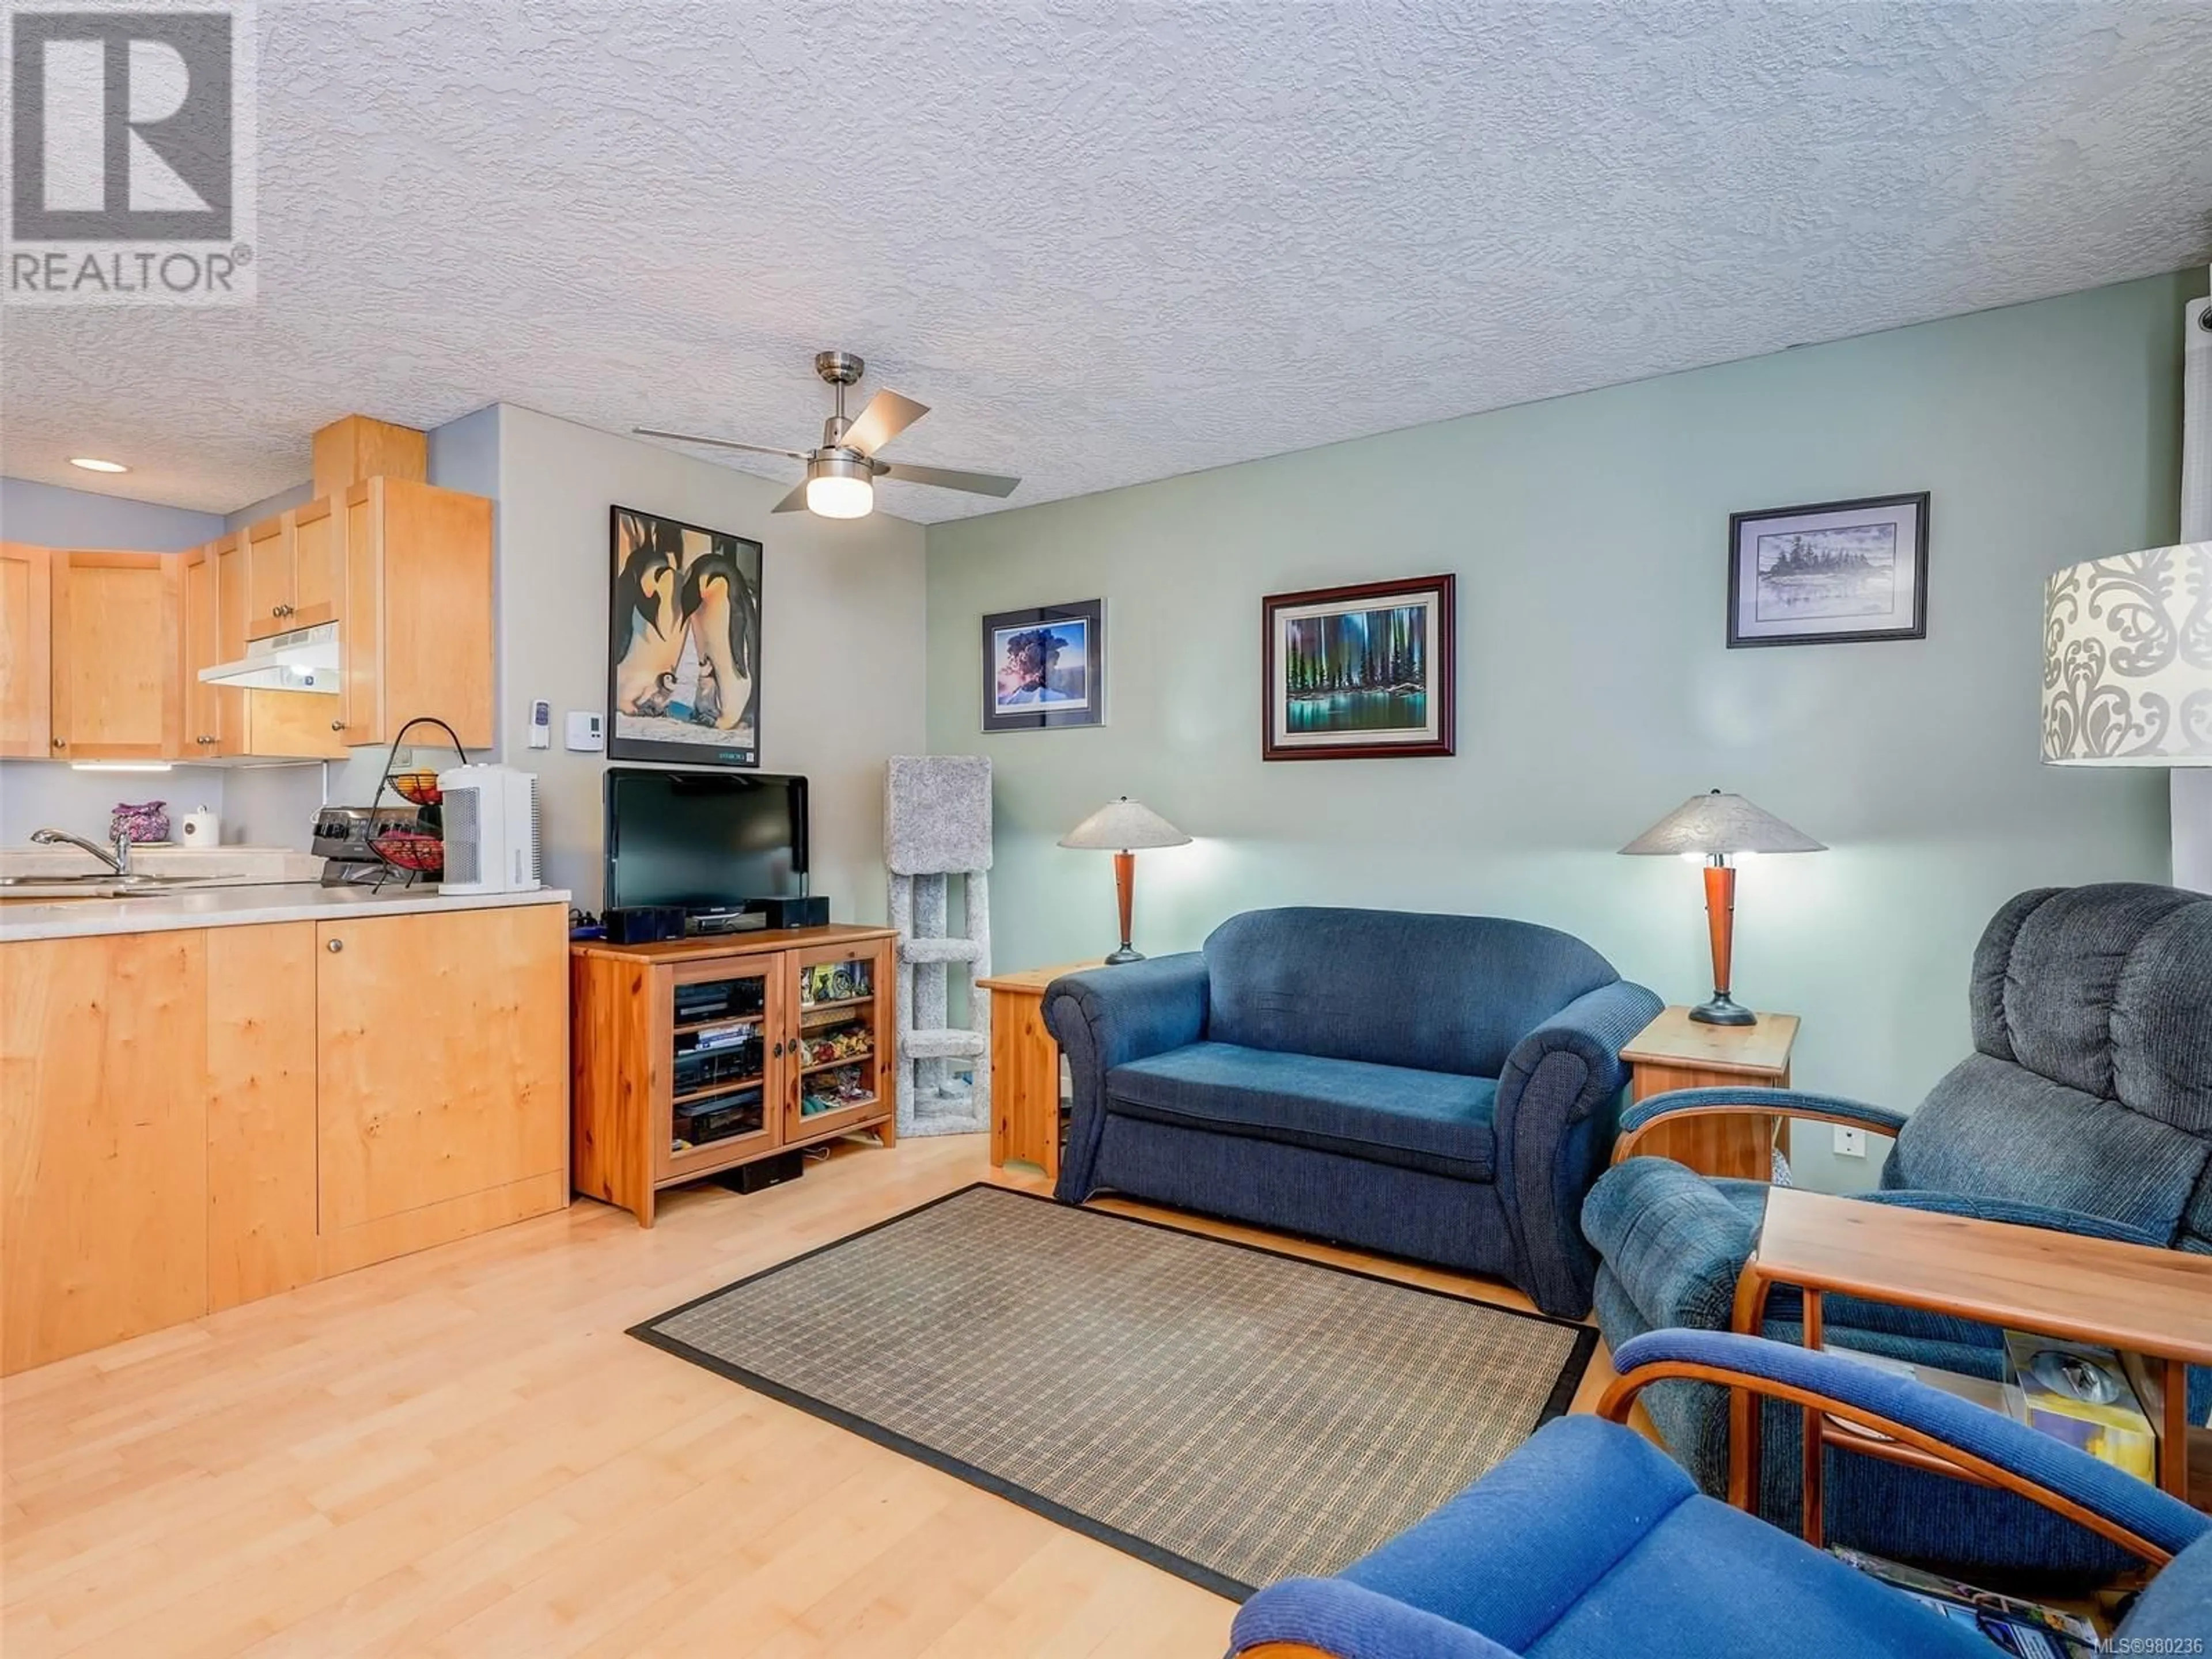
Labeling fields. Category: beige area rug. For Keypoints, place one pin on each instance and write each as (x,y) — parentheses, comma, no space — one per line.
(1229,1413)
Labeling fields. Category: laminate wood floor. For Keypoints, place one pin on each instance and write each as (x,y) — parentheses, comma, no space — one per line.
(460,1454)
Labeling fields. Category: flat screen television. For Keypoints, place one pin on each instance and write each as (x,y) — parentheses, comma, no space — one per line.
(703,837)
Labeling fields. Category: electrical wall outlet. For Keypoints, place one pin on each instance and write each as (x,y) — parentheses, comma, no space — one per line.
(1849,1143)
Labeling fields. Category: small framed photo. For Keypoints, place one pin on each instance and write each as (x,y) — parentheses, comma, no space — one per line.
(1045,667)
(1358,672)
(1837,572)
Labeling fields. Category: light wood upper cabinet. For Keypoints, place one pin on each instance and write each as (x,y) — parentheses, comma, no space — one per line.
(202,648)
(26,669)
(117,642)
(296,570)
(417,627)
(318,564)
(101,653)
(443,1061)
(261,724)
(269,573)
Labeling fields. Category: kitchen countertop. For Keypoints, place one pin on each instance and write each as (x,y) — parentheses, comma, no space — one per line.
(169,910)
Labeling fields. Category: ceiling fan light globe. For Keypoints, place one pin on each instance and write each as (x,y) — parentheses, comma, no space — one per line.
(831,497)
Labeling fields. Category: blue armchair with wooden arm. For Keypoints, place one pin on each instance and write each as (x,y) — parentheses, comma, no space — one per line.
(1589,1543)
(2085,1107)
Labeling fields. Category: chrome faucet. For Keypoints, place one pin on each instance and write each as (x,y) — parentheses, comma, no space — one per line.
(116,858)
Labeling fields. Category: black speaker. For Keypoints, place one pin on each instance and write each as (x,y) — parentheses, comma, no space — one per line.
(763,1173)
(812,912)
(644,924)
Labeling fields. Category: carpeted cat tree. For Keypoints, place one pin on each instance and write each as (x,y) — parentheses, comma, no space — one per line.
(937,827)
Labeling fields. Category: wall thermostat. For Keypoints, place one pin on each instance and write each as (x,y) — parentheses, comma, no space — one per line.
(541,725)
(586,730)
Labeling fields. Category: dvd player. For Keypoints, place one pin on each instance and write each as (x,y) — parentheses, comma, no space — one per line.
(712,918)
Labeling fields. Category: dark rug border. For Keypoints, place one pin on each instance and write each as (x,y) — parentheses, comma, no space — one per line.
(647,1332)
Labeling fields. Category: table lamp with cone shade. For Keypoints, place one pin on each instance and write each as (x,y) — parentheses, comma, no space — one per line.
(1123,828)
(1713,827)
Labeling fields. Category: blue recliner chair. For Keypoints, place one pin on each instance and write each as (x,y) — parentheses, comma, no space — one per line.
(1438,1087)
(1589,1543)
(2085,1107)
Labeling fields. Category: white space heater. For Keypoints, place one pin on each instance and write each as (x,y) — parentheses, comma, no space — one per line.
(490,814)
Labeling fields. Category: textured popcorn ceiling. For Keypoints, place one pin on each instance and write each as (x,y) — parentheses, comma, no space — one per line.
(1110,243)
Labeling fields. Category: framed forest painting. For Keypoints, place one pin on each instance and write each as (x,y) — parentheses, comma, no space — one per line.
(1358,672)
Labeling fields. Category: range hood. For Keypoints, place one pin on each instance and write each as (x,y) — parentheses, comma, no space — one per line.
(305,659)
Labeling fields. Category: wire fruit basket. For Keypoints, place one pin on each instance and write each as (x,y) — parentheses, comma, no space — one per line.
(419,851)
(418,788)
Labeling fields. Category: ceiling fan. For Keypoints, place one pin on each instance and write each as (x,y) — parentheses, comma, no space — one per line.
(840,482)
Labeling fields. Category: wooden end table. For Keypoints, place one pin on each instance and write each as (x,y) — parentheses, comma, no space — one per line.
(1676,1052)
(2130,1297)
(1024,1069)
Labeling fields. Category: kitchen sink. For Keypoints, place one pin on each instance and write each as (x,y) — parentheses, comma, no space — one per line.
(102,885)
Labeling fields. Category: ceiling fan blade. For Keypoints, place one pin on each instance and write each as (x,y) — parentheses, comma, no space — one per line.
(720,443)
(793,502)
(975,483)
(886,415)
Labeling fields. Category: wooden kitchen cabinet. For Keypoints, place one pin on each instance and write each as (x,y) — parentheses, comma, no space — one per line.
(203,646)
(404,568)
(194,1119)
(103,1141)
(417,618)
(260,1111)
(294,570)
(116,644)
(441,1063)
(232,721)
(100,653)
(26,666)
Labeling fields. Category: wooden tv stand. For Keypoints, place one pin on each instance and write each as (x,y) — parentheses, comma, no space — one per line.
(697,1056)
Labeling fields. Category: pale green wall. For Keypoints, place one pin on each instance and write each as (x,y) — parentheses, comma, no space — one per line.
(1589,536)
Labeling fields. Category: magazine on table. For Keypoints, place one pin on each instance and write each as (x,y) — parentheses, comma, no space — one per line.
(2027,1629)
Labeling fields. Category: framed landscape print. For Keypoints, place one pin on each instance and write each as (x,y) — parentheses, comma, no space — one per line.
(1357,672)
(1045,667)
(683,643)
(1824,574)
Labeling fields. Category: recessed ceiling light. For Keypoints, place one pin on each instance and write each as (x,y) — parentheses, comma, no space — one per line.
(94,464)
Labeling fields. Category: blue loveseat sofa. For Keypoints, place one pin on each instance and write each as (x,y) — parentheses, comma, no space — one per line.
(1438,1087)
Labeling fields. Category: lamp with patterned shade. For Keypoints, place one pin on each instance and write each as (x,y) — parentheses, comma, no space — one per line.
(1121,828)
(2127,660)
(1712,828)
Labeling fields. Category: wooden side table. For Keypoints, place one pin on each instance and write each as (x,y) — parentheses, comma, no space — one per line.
(1676,1052)
(1024,1069)
(2128,1297)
